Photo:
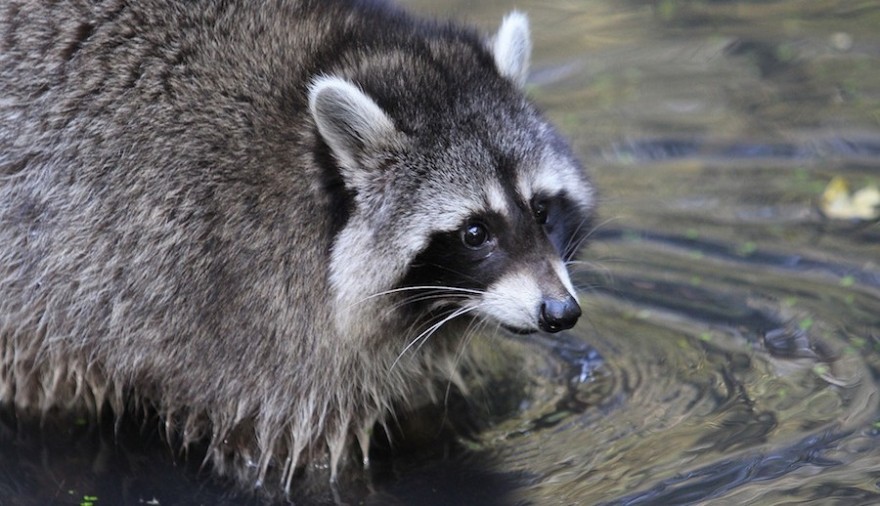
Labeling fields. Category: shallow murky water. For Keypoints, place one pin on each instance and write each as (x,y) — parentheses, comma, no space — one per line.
(731,349)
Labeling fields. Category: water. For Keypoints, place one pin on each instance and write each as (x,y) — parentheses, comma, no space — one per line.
(731,347)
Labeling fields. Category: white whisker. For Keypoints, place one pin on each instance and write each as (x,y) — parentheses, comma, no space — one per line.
(436,288)
(472,330)
(574,247)
(596,267)
(423,298)
(431,330)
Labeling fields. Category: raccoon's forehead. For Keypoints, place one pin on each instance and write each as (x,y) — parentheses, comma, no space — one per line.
(447,208)
(477,186)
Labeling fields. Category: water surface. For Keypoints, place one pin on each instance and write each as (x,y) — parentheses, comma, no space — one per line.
(731,346)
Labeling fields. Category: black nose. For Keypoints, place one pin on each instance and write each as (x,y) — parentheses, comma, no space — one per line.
(558,314)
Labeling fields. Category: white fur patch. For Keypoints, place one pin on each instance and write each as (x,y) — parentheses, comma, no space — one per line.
(562,274)
(553,175)
(514,300)
(497,200)
(512,47)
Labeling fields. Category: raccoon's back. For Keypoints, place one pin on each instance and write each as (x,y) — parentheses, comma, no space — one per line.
(157,175)
(151,71)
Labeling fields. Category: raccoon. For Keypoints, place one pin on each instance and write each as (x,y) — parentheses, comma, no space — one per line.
(270,222)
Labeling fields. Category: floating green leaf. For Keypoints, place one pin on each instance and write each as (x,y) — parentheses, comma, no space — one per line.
(806,324)
(747,248)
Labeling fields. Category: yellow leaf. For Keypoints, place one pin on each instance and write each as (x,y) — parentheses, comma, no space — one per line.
(837,203)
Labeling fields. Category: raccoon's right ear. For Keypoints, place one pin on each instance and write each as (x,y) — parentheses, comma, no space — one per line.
(350,122)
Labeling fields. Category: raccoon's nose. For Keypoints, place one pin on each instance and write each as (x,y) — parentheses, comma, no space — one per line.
(558,314)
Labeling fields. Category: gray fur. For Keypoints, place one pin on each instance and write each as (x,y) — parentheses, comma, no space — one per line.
(198,199)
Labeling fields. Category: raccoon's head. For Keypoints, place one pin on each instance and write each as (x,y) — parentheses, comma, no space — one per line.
(463,199)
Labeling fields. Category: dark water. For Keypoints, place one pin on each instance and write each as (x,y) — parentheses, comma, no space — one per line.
(731,348)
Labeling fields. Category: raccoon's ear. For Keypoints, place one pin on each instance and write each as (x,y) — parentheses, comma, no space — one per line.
(349,121)
(512,47)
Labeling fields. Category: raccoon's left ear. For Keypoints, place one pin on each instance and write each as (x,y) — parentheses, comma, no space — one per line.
(512,47)
(352,125)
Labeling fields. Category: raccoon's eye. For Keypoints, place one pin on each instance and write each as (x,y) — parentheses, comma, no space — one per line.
(474,235)
(539,207)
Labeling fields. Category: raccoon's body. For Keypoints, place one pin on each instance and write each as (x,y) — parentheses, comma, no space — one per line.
(264,219)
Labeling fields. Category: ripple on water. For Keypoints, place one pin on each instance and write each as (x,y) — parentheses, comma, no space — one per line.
(695,392)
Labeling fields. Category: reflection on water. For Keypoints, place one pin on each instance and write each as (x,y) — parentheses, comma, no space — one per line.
(731,349)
